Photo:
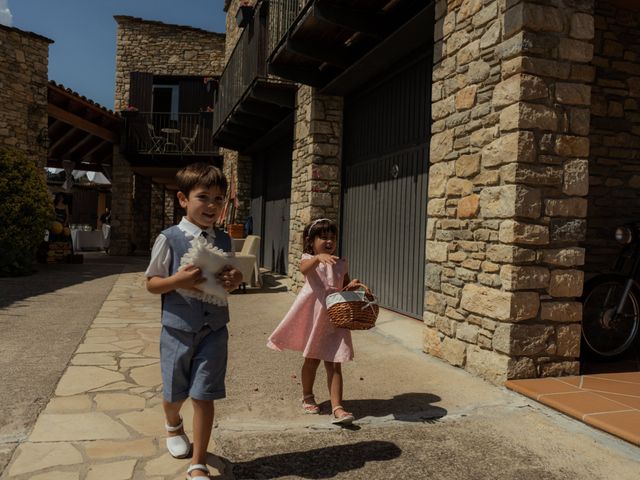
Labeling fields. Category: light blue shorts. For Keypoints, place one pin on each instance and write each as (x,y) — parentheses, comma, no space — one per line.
(193,364)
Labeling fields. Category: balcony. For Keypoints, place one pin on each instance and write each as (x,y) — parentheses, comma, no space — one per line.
(337,45)
(148,135)
(250,102)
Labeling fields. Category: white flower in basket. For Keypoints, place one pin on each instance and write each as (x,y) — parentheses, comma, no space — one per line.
(210,260)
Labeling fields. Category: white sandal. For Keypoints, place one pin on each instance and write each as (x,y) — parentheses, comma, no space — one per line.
(346,419)
(198,466)
(310,407)
(178,446)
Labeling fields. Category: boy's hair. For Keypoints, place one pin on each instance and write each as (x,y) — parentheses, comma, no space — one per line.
(318,227)
(200,175)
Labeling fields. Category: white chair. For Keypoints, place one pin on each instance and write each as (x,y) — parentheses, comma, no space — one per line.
(157,142)
(247,261)
(188,141)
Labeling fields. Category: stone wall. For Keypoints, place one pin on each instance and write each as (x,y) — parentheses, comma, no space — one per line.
(158,48)
(141,213)
(315,183)
(157,212)
(237,167)
(509,172)
(24,63)
(121,205)
(614,163)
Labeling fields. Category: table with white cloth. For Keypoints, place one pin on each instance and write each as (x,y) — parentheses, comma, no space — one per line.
(87,240)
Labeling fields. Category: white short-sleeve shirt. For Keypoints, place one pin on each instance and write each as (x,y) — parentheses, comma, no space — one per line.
(160,263)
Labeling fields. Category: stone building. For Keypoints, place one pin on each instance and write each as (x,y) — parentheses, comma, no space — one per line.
(522,114)
(24,61)
(166,76)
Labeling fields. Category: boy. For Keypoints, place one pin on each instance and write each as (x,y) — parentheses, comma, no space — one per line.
(193,342)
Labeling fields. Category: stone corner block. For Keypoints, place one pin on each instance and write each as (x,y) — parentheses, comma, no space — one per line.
(500,305)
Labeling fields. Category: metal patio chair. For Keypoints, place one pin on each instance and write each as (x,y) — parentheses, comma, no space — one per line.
(188,142)
(157,141)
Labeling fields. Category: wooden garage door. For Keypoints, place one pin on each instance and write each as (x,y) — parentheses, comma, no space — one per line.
(386,160)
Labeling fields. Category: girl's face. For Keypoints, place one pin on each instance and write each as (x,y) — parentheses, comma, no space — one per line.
(324,243)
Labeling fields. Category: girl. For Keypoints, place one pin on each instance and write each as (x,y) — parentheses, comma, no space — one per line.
(306,327)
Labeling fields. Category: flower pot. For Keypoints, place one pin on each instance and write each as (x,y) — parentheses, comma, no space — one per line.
(235,230)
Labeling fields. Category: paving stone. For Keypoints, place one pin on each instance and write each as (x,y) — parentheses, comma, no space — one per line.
(115,387)
(147,376)
(31,457)
(137,362)
(112,471)
(149,422)
(99,450)
(56,476)
(76,403)
(98,340)
(97,347)
(77,427)
(94,359)
(80,379)
(118,401)
(166,465)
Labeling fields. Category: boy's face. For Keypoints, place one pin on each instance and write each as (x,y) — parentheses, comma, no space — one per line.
(203,205)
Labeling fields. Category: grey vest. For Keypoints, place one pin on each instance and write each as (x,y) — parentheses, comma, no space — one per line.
(186,313)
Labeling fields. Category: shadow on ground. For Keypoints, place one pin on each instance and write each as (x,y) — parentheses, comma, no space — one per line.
(317,463)
(271,283)
(51,277)
(406,407)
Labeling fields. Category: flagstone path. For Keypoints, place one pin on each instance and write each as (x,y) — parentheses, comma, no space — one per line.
(105,420)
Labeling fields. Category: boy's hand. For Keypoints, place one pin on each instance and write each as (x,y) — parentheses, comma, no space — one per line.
(230,278)
(327,259)
(188,278)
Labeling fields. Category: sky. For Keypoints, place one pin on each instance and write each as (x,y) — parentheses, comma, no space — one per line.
(83,55)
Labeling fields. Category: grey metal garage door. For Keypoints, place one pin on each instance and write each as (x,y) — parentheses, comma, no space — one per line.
(386,161)
(271,199)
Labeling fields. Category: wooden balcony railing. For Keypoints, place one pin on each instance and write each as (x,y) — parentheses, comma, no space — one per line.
(246,63)
(169,133)
(282,14)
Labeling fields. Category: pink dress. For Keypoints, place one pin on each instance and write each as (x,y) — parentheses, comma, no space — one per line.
(306,327)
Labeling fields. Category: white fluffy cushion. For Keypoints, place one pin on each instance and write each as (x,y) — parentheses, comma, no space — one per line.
(210,260)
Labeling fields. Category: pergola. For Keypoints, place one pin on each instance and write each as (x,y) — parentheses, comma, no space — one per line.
(80,130)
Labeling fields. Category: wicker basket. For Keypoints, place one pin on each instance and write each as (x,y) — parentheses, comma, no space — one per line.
(352,309)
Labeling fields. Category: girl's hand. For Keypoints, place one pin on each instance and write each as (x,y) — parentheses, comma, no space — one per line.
(188,278)
(353,284)
(230,278)
(327,259)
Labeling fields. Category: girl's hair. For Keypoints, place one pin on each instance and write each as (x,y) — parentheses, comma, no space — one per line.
(318,227)
(59,196)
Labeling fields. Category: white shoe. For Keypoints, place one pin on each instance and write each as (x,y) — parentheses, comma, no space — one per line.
(178,446)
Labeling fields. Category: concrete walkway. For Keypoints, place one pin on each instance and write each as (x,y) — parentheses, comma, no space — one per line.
(418,417)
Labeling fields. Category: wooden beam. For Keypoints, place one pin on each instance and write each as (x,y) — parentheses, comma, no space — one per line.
(86,141)
(370,24)
(81,123)
(308,76)
(241,118)
(65,141)
(409,38)
(257,110)
(276,96)
(320,53)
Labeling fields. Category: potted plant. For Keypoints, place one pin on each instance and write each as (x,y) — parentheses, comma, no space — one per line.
(244,14)
(130,111)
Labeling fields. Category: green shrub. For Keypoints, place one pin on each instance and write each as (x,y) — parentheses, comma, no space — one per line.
(26,211)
